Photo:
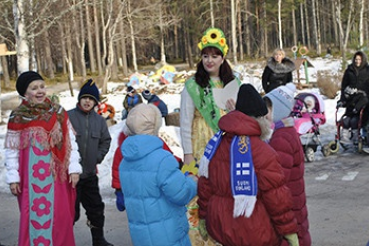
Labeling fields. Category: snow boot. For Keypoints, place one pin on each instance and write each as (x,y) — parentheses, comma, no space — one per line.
(345,137)
(98,238)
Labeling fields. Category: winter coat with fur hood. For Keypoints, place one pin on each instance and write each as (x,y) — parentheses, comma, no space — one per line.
(286,142)
(277,74)
(272,216)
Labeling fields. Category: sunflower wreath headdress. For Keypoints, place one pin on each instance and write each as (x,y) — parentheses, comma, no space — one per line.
(214,37)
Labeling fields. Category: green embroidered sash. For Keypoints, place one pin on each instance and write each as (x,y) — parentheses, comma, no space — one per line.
(204,101)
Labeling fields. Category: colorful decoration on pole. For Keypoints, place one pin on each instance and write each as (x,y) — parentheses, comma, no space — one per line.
(303,51)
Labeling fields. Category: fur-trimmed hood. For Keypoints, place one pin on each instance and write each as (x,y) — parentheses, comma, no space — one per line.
(286,66)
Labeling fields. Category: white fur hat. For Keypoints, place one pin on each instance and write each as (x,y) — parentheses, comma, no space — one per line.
(144,119)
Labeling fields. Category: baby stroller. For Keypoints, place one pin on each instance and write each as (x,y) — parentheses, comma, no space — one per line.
(309,114)
(334,146)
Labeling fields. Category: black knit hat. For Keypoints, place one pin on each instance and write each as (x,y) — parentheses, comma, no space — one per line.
(250,102)
(24,80)
(89,89)
(130,89)
(146,94)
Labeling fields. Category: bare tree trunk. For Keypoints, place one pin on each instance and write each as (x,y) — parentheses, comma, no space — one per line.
(97,40)
(234,38)
(82,47)
(294,25)
(162,46)
(239,25)
(307,24)
(63,47)
(114,67)
(280,24)
(21,37)
(264,39)
(212,14)
(315,27)
(124,49)
(103,36)
(344,34)
(361,26)
(247,28)
(176,46)
(302,23)
(49,61)
(335,25)
(319,49)
(89,38)
(6,77)
(129,18)
(111,31)
(69,58)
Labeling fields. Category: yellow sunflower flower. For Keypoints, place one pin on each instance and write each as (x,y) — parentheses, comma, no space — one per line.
(213,35)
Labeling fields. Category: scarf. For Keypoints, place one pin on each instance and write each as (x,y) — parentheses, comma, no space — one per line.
(45,123)
(243,178)
(204,102)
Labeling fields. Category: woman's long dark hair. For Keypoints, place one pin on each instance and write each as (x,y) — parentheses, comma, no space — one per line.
(202,77)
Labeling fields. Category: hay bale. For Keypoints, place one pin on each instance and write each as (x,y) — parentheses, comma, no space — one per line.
(172,119)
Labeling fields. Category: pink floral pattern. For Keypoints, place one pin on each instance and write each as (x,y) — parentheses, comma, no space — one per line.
(41,241)
(41,170)
(41,206)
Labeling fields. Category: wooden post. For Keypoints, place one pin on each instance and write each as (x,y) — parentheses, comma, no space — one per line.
(4,52)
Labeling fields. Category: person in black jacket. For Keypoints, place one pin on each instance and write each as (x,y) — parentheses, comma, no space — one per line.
(93,139)
(154,99)
(278,71)
(354,97)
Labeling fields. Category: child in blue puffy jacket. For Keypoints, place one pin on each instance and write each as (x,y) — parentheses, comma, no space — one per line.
(155,190)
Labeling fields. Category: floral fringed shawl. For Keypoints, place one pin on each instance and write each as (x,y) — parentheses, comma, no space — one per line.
(45,123)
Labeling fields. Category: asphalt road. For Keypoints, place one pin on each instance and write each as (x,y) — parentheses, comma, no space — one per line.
(337,195)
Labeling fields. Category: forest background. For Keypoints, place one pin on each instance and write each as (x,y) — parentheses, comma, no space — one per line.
(111,39)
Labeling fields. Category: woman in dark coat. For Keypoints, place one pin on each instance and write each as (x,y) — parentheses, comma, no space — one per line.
(278,71)
(354,96)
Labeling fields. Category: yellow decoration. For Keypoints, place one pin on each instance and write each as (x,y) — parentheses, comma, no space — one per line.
(214,37)
(191,168)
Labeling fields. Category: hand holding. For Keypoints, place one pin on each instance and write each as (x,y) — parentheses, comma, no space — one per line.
(230,105)
(15,189)
(74,178)
(188,158)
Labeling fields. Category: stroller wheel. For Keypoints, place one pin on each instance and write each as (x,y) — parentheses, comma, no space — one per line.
(309,154)
(326,150)
(360,146)
(333,147)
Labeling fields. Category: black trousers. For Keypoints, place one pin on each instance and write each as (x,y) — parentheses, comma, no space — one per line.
(88,194)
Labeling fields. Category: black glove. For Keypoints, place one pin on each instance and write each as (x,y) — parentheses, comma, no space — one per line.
(340,104)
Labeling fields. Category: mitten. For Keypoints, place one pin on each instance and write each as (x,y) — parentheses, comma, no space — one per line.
(292,239)
(120,200)
(202,230)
